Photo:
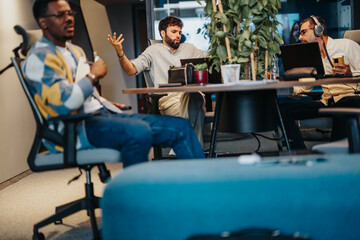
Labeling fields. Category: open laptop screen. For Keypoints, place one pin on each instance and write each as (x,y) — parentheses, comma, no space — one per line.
(302,55)
(193,61)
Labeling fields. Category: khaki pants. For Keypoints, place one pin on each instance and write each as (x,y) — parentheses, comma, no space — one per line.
(187,105)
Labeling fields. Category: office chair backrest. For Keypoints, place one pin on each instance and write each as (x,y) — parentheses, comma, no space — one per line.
(29,38)
(17,65)
(353,35)
(153,41)
(148,80)
(41,123)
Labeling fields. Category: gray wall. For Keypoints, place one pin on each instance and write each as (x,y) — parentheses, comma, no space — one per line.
(98,21)
(17,126)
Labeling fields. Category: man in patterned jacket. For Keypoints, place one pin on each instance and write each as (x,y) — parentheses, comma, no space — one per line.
(50,69)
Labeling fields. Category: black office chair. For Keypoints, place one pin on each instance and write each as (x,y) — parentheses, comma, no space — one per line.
(70,157)
(352,143)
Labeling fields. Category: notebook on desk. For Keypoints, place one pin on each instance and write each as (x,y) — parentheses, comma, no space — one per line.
(302,55)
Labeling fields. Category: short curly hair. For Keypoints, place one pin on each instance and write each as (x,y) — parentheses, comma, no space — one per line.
(169,21)
(40,7)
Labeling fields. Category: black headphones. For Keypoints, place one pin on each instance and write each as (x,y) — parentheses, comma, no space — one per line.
(318,29)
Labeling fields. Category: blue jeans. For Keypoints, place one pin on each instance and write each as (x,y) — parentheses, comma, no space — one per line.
(134,135)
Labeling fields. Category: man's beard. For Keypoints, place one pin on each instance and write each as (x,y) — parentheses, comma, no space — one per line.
(172,43)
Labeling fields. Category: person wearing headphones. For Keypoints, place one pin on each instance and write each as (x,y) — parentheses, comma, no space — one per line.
(313,29)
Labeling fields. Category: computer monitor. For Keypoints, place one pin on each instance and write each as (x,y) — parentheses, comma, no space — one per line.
(302,55)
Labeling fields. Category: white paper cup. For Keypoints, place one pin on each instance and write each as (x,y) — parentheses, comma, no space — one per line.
(230,73)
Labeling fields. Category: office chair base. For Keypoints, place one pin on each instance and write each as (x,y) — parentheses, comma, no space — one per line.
(90,202)
(38,236)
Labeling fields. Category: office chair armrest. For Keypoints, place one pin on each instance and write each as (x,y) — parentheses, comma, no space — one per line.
(72,117)
(70,135)
(126,108)
(340,111)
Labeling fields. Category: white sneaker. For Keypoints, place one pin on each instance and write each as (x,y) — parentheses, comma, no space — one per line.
(172,154)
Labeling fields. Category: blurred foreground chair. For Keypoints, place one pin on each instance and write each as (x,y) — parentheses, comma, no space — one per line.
(352,143)
(70,157)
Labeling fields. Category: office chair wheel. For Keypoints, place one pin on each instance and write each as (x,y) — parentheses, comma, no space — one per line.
(38,236)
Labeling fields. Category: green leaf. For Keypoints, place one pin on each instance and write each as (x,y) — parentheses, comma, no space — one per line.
(266,33)
(248,43)
(220,34)
(242,60)
(246,34)
(262,42)
(222,17)
(212,51)
(252,2)
(255,11)
(221,52)
(264,2)
(278,38)
(245,12)
(232,52)
(245,53)
(253,37)
(244,2)
(257,19)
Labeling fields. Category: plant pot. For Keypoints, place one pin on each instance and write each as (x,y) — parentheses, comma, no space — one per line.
(201,76)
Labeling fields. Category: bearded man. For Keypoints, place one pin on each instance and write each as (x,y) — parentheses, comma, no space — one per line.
(155,62)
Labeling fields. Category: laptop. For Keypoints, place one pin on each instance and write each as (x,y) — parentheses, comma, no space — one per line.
(193,61)
(302,55)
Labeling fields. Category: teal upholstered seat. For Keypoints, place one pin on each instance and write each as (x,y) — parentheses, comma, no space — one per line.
(178,199)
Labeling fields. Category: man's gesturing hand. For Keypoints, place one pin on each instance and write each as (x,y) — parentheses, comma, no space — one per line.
(117,43)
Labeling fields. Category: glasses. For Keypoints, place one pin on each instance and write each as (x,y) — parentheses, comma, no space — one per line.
(62,14)
(302,32)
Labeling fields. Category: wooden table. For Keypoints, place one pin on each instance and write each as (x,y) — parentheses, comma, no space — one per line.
(242,86)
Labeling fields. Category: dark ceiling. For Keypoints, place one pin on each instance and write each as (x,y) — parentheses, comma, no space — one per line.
(116,2)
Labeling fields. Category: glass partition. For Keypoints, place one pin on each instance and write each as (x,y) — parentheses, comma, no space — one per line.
(340,15)
(191,13)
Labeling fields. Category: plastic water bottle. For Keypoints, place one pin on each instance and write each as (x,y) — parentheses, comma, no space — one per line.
(275,69)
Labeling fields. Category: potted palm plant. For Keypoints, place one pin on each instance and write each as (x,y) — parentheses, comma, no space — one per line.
(243,32)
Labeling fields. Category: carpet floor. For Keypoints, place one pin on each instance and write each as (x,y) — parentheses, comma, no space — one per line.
(35,197)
